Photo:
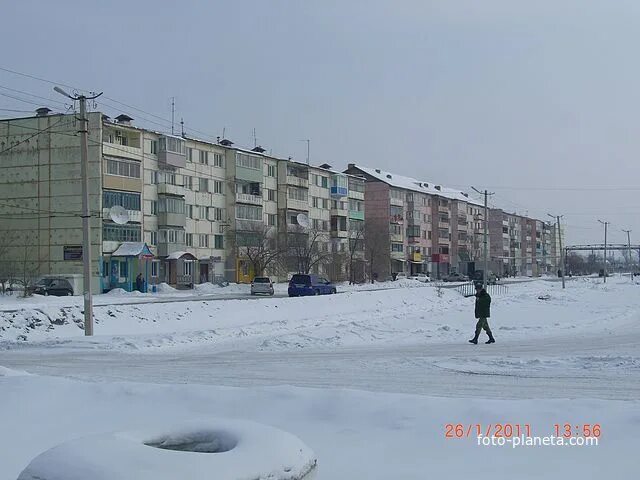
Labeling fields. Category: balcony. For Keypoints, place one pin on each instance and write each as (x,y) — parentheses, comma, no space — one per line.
(413,240)
(297,181)
(248,198)
(171,151)
(135,216)
(356,215)
(398,202)
(172,219)
(294,204)
(443,225)
(396,238)
(166,248)
(397,256)
(169,189)
(339,234)
(443,209)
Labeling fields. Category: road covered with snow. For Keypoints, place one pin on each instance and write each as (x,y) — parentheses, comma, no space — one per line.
(367,378)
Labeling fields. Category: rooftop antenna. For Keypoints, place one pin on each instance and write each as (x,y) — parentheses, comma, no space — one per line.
(182,126)
(224,129)
(255,141)
(173,111)
(308,146)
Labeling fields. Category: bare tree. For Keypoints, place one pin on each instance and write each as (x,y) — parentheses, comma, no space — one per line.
(377,249)
(8,267)
(356,247)
(27,268)
(256,242)
(306,248)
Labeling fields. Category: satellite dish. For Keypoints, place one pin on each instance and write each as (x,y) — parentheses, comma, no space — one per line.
(118,214)
(303,220)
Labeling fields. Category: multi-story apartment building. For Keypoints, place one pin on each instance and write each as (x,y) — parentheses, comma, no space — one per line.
(425,227)
(192,206)
(520,245)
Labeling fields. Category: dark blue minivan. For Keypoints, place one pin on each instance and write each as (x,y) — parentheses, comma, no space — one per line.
(309,284)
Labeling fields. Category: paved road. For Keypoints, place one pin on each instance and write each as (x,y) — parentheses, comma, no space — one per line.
(540,368)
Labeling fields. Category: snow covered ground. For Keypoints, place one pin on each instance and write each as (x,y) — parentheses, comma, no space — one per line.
(388,369)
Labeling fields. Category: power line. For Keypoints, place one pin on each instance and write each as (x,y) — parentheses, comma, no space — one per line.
(31,136)
(33,95)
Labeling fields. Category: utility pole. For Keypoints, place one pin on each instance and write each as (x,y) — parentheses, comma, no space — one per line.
(485,273)
(86,214)
(605,249)
(628,232)
(562,260)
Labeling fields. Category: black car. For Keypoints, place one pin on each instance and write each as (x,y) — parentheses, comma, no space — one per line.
(59,287)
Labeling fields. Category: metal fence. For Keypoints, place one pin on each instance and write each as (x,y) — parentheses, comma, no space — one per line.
(468,289)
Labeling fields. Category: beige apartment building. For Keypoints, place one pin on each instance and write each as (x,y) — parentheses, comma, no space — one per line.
(190,205)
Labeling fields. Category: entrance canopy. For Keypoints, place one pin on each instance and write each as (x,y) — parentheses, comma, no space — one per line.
(182,255)
(132,249)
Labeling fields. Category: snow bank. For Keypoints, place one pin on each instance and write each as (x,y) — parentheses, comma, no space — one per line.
(417,314)
(356,435)
(220,448)
(7,372)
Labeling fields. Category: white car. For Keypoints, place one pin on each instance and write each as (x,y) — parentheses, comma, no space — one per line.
(421,277)
(401,276)
(262,285)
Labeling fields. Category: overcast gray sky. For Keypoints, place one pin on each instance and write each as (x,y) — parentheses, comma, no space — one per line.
(524,97)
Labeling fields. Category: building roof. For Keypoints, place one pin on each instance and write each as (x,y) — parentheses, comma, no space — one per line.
(415,185)
(181,254)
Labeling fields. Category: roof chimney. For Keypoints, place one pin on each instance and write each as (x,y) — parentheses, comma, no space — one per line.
(258,149)
(389,175)
(437,187)
(225,142)
(378,170)
(42,111)
(124,119)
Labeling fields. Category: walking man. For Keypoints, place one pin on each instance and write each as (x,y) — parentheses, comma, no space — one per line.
(483,312)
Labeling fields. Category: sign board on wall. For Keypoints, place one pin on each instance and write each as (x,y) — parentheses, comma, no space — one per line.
(72,252)
(440,258)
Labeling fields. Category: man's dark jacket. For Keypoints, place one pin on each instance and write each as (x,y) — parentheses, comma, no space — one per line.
(483,304)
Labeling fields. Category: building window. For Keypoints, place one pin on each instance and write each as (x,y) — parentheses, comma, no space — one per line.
(171,205)
(325,203)
(271,170)
(154,207)
(271,195)
(203,240)
(154,269)
(248,161)
(204,157)
(124,269)
(190,154)
(189,211)
(187,268)
(187,181)
(356,185)
(218,160)
(204,184)
(153,238)
(112,232)
(189,239)
(153,147)
(218,187)
(130,201)
(397,247)
(271,219)
(218,242)
(248,212)
(122,168)
(299,194)
(325,182)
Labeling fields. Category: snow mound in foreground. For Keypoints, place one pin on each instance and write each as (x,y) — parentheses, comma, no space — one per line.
(7,372)
(225,449)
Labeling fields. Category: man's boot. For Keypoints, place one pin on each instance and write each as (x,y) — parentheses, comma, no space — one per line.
(474,340)
(491,339)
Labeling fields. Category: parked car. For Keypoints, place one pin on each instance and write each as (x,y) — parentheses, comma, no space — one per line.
(421,277)
(401,276)
(309,284)
(59,287)
(478,276)
(455,277)
(262,285)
